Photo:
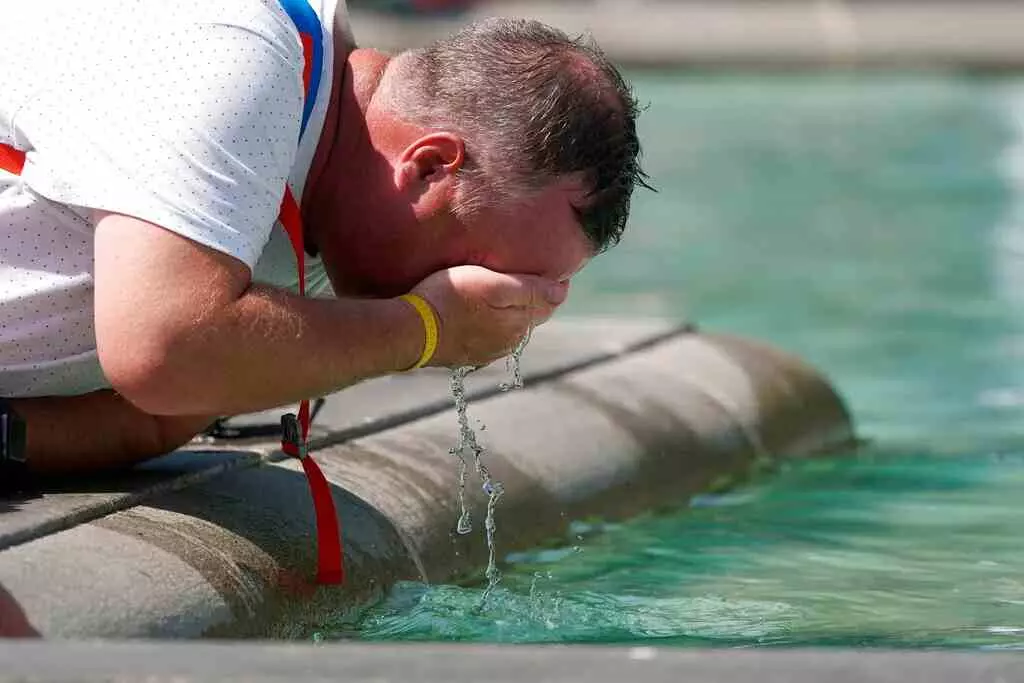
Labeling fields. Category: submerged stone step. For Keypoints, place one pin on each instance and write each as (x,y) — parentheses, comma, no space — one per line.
(616,418)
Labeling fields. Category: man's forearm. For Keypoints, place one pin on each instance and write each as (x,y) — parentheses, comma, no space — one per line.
(267,349)
(180,329)
(95,431)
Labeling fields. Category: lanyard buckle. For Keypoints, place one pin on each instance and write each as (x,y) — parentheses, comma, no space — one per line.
(291,437)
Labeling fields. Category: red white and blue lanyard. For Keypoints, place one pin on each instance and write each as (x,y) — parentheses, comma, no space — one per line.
(295,437)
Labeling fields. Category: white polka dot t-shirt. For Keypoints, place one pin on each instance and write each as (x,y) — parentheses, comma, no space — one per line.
(185,114)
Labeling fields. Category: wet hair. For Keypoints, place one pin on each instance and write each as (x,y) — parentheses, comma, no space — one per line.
(533,105)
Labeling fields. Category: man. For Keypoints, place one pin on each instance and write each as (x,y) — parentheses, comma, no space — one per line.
(145,284)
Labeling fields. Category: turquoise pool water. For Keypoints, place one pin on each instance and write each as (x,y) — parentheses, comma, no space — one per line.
(875,226)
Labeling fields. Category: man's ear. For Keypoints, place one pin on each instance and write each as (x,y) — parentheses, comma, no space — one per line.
(431,158)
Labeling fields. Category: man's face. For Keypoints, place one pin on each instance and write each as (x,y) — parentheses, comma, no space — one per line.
(538,236)
(386,249)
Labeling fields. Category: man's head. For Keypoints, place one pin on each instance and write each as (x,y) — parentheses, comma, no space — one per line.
(508,145)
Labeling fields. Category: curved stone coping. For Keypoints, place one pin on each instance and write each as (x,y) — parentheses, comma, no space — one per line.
(194,662)
(644,428)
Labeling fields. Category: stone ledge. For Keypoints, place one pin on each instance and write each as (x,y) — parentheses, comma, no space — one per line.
(646,425)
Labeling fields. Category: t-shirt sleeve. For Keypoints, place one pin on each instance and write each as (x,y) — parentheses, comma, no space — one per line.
(192,128)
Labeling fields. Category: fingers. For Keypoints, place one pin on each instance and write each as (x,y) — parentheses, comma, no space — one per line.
(556,292)
(524,291)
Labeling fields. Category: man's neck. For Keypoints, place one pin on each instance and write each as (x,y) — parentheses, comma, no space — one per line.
(344,139)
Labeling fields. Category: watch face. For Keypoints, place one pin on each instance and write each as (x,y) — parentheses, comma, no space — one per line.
(5,447)
(13,468)
(12,437)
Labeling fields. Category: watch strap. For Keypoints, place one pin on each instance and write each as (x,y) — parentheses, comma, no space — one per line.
(13,462)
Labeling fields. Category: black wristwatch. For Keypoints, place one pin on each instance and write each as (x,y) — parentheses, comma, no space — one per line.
(13,465)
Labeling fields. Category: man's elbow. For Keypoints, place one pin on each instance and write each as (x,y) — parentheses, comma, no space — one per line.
(149,374)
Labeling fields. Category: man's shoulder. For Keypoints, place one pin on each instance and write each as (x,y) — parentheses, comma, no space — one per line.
(262,16)
(88,34)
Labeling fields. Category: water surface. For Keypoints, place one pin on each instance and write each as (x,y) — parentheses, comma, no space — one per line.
(875,226)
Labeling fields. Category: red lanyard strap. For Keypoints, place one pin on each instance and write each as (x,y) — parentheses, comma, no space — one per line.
(295,438)
(295,433)
(11,160)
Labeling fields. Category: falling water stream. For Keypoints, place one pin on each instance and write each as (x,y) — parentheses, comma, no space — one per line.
(468,446)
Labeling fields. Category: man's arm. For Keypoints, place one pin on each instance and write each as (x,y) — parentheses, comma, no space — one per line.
(181,330)
(97,431)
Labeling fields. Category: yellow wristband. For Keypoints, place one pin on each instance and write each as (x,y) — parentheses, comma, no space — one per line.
(426,312)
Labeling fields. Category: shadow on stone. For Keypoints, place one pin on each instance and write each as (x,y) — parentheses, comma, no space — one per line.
(256,530)
(63,502)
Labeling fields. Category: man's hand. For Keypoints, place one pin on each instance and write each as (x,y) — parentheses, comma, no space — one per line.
(484,314)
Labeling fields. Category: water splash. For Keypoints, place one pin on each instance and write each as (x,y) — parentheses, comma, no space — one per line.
(417,612)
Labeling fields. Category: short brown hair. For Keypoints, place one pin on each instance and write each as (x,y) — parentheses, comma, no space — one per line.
(534,105)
